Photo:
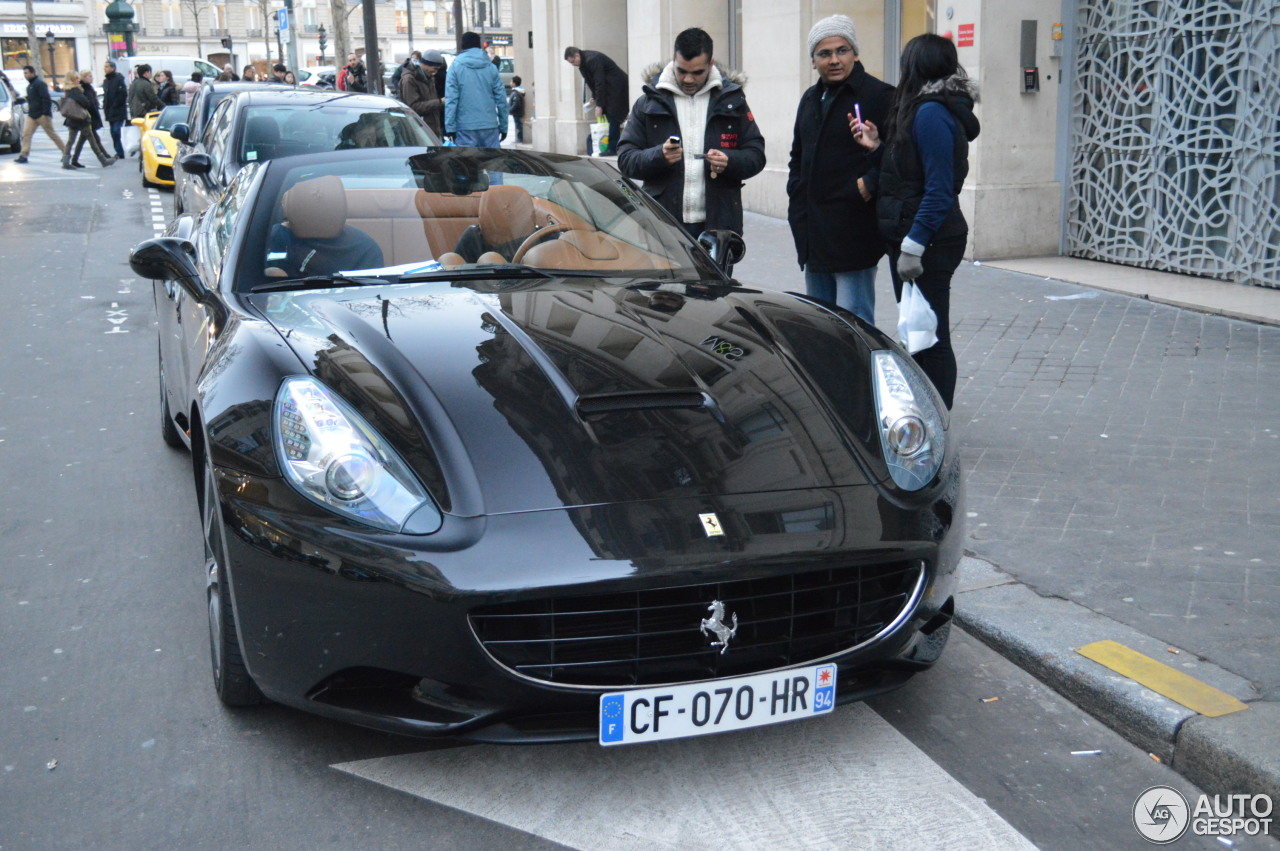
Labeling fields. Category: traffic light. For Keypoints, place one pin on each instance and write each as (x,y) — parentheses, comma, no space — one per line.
(226,42)
(324,39)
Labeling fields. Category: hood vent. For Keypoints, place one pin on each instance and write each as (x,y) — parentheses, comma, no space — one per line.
(608,403)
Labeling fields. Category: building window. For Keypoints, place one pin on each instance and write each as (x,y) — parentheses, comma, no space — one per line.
(437,17)
(252,20)
(310,23)
(218,18)
(402,21)
(172,18)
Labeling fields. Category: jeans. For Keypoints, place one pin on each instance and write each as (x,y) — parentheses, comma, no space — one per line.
(116,126)
(477,138)
(854,291)
(941,259)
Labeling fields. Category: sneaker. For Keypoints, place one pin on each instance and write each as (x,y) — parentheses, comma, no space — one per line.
(20,160)
(69,166)
(78,165)
(109,161)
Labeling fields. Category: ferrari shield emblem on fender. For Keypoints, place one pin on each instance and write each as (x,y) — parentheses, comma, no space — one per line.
(711,524)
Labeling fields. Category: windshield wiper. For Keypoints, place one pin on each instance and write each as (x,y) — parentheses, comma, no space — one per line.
(316,282)
(495,270)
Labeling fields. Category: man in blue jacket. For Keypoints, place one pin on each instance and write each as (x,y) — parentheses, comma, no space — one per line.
(39,113)
(475,106)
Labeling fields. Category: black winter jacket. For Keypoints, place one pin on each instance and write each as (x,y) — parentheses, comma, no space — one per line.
(902,176)
(608,82)
(39,104)
(115,97)
(730,127)
(92,94)
(833,227)
(169,95)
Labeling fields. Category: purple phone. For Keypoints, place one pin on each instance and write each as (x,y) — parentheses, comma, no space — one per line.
(857,113)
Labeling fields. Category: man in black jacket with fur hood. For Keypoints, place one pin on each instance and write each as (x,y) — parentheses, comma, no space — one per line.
(831,184)
(692,139)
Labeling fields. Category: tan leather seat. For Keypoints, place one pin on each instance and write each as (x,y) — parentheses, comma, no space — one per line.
(445,217)
(316,208)
(592,250)
(506,216)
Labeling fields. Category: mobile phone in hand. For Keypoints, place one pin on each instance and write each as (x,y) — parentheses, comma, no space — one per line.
(673,140)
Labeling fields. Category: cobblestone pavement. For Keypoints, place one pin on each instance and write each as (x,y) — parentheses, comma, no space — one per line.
(1121,454)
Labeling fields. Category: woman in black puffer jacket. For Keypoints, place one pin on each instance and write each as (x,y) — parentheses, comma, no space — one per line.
(169,94)
(924,162)
(81,128)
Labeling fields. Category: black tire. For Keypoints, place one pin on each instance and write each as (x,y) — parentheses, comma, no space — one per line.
(231,678)
(168,429)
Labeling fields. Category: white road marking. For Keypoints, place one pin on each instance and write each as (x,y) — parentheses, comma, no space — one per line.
(838,781)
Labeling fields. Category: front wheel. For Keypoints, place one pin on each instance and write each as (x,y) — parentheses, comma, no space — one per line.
(168,429)
(231,677)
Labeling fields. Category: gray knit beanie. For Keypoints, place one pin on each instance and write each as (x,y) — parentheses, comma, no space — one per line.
(836,25)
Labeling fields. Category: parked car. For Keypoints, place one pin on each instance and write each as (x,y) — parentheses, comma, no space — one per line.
(158,148)
(319,76)
(12,117)
(180,66)
(586,486)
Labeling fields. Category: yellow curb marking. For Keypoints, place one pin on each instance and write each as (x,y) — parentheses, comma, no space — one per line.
(1160,678)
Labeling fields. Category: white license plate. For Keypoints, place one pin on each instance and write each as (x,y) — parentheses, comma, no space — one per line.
(695,709)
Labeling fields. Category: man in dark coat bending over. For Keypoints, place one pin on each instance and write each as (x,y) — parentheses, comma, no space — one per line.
(692,139)
(608,84)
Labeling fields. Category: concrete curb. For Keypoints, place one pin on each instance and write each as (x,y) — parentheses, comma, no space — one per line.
(1238,753)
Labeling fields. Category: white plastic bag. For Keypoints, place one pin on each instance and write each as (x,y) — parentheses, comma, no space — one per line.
(131,138)
(917,323)
(510,141)
(601,144)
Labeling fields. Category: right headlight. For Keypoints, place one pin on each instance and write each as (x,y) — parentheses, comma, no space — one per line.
(336,459)
(913,436)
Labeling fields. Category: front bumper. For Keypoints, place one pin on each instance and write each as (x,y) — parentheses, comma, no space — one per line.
(375,629)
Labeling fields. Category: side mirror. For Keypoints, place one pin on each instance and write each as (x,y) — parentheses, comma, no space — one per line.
(196,163)
(724,246)
(139,122)
(181,132)
(167,258)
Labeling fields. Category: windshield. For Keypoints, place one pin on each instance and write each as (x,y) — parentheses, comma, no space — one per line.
(460,212)
(285,130)
(172,115)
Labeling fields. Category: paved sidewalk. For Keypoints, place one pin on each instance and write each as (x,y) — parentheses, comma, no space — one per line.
(1122,456)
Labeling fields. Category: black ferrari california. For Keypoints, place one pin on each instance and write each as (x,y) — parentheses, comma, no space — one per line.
(485,446)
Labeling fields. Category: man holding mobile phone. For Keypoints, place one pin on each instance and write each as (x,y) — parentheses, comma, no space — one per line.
(832,178)
(692,138)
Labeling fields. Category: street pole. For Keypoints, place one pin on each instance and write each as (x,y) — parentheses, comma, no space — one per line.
(279,47)
(372,64)
(408,11)
(292,35)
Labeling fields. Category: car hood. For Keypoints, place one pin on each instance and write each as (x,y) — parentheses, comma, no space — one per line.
(511,396)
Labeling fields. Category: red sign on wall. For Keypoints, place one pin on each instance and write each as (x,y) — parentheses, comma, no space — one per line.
(965,36)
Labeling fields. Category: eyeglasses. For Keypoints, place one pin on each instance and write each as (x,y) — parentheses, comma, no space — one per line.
(842,52)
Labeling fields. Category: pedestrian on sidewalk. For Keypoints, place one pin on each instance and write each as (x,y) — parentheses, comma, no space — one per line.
(692,139)
(78,119)
(190,87)
(608,84)
(515,107)
(39,113)
(831,178)
(166,89)
(142,93)
(418,89)
(250,74)
(924,161)
(475,106)
(115,104)
(95,120)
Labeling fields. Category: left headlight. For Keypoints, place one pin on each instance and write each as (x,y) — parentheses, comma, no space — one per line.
(336,459)
(6,113)
(158,147)
(913,433)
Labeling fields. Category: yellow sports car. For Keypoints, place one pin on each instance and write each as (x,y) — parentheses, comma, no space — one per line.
(158,147)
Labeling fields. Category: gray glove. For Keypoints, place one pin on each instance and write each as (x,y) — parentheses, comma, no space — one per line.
(909,266)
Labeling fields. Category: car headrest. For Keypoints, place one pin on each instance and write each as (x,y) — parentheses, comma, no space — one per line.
(261,130)
(506,214)
(316,208)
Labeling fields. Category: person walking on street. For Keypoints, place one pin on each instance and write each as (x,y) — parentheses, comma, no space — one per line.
(95,120)
(475,106)
(190,87)
(608,84)
(353,78)
(115,104)
(78,119)
(142,93)
(39,113)
(831,178)
(167,90)
(418,89)
(923,163)
(515,106)
(691,102)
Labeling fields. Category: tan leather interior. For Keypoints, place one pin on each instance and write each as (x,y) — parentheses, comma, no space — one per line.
(506,214)
(550,213)
(450,260)
(443,217)
(316,208)
(490,258)
(590,249)
(391,217)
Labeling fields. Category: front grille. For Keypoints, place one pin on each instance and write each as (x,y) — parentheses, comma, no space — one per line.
(164,172)
(652,636)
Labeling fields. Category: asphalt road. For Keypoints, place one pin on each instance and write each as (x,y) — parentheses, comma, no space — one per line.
(111,735)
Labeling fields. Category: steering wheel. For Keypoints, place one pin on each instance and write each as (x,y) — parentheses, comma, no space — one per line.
(538,236)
